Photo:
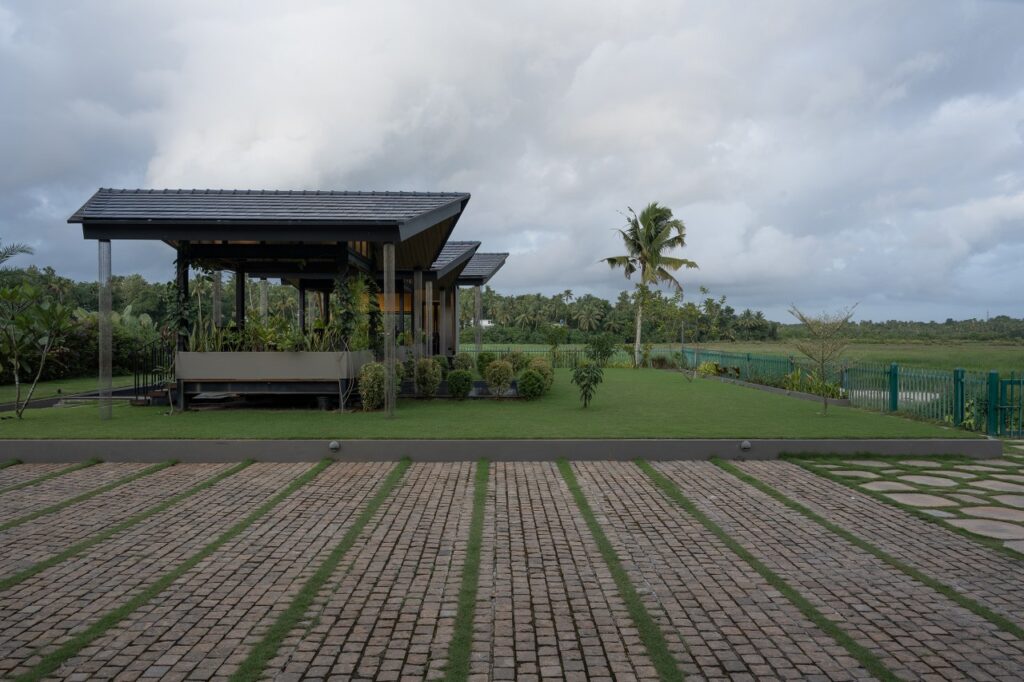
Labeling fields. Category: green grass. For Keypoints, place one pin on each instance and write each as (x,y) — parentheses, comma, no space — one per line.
(629,404)
(49,389)
(84,496)
(78,548)
(52,474)
(61,654)
(461,646)
(650,633)
(863,655)
(9,463)
(963,600)
(253,665)
(977,356)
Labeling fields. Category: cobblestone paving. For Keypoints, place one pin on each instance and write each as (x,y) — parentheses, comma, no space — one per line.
(41,613)
(971,568)
(547,606)
(19,473)
(554,611)
(17,503)
(203,625)
(915,631)
(388,614)
(731,621)
(37,540)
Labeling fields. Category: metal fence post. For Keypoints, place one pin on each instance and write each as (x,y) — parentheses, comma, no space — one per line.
(894,387)
(993,403)
(958,396)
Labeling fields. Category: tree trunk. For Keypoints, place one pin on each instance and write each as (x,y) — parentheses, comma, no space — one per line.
(636,341)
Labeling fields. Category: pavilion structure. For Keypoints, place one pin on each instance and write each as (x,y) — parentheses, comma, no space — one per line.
(308,239)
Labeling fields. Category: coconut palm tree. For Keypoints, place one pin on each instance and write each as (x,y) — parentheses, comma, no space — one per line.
(11,250)
(647,238)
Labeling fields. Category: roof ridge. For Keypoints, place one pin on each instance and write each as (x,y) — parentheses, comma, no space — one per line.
(278,192)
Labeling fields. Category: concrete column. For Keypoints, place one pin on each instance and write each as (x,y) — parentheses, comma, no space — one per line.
(442,322)
(264,299)
(457,317)
(390,388)
(417,312)
(218,286)
(106,331)
(428,296)
(240,297)
(401,307)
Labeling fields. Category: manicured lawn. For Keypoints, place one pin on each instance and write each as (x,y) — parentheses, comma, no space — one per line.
(48,389)
(629,404)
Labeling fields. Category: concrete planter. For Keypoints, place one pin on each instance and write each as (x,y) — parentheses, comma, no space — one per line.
(272,366)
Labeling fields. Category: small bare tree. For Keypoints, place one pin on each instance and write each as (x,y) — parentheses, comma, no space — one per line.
(825,343)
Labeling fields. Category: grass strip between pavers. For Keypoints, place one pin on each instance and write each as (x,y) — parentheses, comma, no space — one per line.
(963,600)
(461,646)
(862,654)
(78,548)
(56,658)
(85,496)
(650,633)
(992,543)
(253,665)
(9,463)
(52,474)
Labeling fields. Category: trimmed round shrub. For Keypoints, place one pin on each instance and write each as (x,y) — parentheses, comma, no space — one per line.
(464,361)
(460,383)
(517,359)
(428,377)
(483,360)
(372,378)
(543,367)
(442,364)
(399,372)
(409,368)
(498,376)
(531,385)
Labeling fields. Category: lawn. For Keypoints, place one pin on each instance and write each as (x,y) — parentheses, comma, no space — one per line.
(48,389)
(629,404)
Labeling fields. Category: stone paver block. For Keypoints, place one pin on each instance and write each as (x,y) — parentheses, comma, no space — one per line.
(1012,500)
(1001,486)
(998,513)
(886,486)
(853,473)
(931,481)
(921,500)
(992,529)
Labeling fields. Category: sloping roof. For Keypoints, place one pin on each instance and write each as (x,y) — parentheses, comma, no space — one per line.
(481,268)
(256,206)
(453,255)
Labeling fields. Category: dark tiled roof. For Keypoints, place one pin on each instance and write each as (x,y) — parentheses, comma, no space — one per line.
(254,206)
(454,253)
(482,267)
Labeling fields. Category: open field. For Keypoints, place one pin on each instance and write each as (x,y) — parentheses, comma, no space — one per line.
(48,389)
(629,404)
(494,571)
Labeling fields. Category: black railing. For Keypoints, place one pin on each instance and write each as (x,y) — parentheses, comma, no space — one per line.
(153,366)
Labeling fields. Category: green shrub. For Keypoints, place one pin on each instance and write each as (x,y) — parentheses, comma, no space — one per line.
(517,359)
(483,359)
(532,385)
(587,376)
(708,369)
(498,376)
(663,362)
(464,361)
(442,364)
(409,368)
(543,367)
(428,377)
(460,383)
(372,378)
(601,348)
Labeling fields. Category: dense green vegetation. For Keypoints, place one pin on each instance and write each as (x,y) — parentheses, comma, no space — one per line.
(634,404)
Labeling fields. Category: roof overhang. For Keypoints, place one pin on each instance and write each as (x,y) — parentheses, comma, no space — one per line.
(481,268)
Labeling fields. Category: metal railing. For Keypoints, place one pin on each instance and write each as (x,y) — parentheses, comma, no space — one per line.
(152,367)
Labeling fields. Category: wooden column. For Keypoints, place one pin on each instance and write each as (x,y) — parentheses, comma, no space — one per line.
(428,296)
(390,388)
(264,299)
(442,322)
(456,317)
(401,306)
(302,306)
(478,313)
(240,297)
(106,332)
(217,295)
(417,312)
(325,302)
(181,271)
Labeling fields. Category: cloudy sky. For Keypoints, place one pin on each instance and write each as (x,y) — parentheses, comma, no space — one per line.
(820,153)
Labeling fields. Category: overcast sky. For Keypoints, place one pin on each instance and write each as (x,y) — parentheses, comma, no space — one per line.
(820,153)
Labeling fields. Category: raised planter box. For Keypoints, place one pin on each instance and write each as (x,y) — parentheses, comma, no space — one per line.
(271,366)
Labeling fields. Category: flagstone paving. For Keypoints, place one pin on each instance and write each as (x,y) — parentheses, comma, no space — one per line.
(547,606)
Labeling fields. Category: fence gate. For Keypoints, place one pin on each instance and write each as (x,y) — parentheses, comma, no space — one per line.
(1011,406)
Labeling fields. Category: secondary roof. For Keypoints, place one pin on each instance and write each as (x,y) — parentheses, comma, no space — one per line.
(481,268)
